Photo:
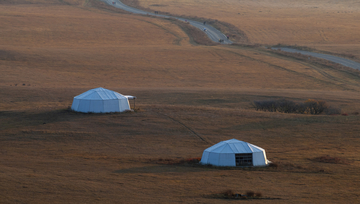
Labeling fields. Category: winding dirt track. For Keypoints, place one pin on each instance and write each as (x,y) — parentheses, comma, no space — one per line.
(331,58)
(214,34)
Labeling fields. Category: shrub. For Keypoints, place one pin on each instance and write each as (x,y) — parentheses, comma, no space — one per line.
(268,105)
(283,105)
(250,194)
(310,106)
(315,107)
(286,106)
(228,193)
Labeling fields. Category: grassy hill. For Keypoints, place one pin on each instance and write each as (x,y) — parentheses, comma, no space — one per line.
(190,97)
(317,24)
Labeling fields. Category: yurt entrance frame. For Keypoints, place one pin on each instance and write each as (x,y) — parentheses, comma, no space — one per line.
(244,159)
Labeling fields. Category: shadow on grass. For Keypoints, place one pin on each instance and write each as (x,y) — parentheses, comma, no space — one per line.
(163,169)
(17,119)
(192,165)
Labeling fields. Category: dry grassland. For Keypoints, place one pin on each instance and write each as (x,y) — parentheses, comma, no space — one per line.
(189,97)
(331,26)
(49,154)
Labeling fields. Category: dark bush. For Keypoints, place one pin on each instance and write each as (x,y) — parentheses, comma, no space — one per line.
(283,106)
(286,106)
(228,193)
(310,106)
(250,194)
(315,107)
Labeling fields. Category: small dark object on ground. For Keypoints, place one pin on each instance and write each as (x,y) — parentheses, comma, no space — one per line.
(229,194)
(275,165)
(250,193)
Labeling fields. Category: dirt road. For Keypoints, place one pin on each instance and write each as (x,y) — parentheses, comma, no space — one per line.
(331,58)
(214,34)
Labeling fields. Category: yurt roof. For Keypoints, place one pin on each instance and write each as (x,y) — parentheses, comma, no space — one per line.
(100,94)
(234,146)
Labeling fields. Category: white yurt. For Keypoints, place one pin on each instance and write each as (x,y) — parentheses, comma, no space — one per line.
(234,153)
(100,100)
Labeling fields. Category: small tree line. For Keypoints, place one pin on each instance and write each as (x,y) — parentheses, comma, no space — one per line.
(309,106)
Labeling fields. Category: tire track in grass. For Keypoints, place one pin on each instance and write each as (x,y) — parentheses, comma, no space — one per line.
(289,70)
(322,72)
(187,127)
(318,70)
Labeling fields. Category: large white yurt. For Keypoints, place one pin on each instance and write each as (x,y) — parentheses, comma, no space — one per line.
(100,100)
(234,153)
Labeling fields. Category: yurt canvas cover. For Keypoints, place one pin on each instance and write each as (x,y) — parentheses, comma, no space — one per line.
(100,100)
(234,153)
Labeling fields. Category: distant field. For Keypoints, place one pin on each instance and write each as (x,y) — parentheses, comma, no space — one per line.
(324,25)
(51,51)
(79,46)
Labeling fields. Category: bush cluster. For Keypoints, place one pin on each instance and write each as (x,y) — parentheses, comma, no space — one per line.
(229,194)
(310,106)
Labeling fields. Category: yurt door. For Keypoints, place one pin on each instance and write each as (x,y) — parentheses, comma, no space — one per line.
(243,159)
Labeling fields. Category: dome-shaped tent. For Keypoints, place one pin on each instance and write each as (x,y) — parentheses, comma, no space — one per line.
(100,100)
(234,153)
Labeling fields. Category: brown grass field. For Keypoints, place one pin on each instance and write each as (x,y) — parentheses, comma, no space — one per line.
(190,97)
(325,25)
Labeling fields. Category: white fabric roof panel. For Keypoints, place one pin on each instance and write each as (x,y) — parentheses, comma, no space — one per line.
(223,153)
(100,94)
(100,100)
(255,148)
(226,149)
